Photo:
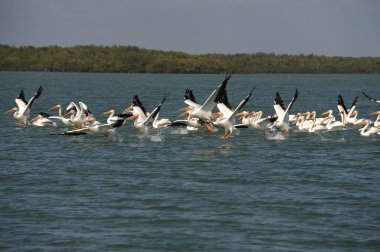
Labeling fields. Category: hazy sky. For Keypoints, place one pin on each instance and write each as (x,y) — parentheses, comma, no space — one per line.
(329,27)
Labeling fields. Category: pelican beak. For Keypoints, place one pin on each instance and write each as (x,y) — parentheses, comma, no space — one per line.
(129,108)
(210,126)
(376,113)
(56,107)
(68,113)
(13,110)
(361,123)
(35,118)
(131,117)
(326,113)
(241,114)
(108,112)
(184,109)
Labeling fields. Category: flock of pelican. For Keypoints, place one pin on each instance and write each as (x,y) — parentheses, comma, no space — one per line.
(80,120)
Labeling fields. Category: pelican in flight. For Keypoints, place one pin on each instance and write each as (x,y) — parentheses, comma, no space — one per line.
(227,115)
(141,117)
(22,111)
(204,111)
(282,121)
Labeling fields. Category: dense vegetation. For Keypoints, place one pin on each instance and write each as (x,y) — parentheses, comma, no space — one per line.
(131,59)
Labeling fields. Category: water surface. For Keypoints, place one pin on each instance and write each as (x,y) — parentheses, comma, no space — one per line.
(173,190)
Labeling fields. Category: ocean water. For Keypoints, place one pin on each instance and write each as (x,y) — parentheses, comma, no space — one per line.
(173,190)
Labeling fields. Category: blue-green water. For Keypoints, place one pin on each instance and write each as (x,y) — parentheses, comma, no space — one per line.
(172,191)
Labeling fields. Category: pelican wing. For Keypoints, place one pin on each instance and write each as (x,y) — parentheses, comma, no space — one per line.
(82,131)
(341,107)
(154,113)
(210,102)
(241,104)
(226,111)
(20,101)
(216,95)
(370,98)
(279,105)
(353,106)
(292,101)
(221,90)
(192,104)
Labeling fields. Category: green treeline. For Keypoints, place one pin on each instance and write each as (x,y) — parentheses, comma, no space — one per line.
(132,59)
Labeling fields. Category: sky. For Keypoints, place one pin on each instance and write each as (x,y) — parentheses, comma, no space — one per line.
(321,27)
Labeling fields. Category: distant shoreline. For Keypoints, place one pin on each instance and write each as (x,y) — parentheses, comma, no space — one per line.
(132,59)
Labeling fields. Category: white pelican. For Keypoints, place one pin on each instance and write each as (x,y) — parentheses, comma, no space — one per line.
(344,112)
(65,121)
(191,123)
(318,125)
(79,113)
(42,120)
(370,98)
(281,123)
(22,111)
(227,119)
(204,112)
(252,120)
(376,123)
(113,117)
(365,131)
(353,119)
(160,123)
(96,127)
(142,119)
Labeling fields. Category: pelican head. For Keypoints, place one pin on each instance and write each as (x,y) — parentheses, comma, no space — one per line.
(36,118)
(109,112)
(56,107)
(217,115)
(243,114)
(328,112)
(184,111)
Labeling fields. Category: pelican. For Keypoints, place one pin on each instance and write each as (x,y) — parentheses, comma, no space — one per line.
(96,127)
(191,123)
(282,120)
(365,131)
(377,121)
(227,118)
(42,120)
(113,117)
(160,123)
(79,113)
(344,112)
(370,98)
(141,117)
(65,121)
(253,120)
(22,111)
(245,117)
(204,112)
